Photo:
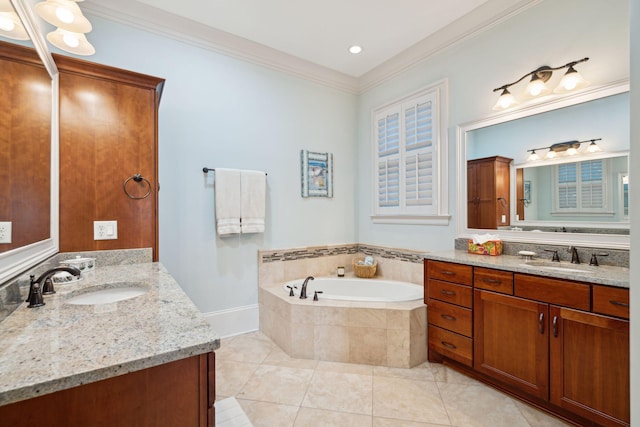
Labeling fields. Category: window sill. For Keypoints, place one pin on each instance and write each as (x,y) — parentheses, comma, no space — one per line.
(411,220)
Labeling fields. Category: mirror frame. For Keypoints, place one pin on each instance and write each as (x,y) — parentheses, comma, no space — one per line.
(16,261)
(591,240)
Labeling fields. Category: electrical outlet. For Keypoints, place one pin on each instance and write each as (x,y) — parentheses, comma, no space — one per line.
(105,230)
(504,219)
(5,232)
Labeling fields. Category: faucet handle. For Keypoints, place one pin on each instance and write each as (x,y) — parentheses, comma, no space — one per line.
(35,298)
(315,295)
(291,290)
(555,256)
(594,259)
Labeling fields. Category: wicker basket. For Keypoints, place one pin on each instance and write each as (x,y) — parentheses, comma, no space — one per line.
(364,271)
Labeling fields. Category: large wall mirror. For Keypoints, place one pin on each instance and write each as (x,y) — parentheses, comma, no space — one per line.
(28,148)
(579,199)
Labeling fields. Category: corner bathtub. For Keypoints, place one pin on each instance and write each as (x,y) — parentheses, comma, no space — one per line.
(355,289)
(367,321)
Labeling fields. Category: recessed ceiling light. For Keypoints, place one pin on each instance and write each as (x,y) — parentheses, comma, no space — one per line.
(355,49)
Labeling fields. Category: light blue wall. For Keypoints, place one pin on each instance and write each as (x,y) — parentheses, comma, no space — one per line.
(220,112)
(553,32)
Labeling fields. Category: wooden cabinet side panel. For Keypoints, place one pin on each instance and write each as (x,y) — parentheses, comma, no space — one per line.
(106,138)
(590,366)
(167,395)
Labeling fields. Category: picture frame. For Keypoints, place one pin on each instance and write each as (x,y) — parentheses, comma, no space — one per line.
(527,192)
(316,174)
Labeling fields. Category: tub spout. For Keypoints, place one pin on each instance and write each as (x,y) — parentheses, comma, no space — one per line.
(303,291)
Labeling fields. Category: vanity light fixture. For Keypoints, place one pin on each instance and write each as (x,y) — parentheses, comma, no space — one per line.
(72,26)
(10,25)
(537,86)
(568,148)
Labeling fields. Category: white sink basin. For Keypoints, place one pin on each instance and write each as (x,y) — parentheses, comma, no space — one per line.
(105,295)
(559,266)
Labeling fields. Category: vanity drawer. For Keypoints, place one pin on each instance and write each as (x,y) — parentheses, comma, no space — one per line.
(450,292)
(451,345)
(457,273)
(564,293)
(493,280)
(611,301)
(451,317)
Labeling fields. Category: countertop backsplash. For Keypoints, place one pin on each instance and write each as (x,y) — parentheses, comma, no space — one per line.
(615,257)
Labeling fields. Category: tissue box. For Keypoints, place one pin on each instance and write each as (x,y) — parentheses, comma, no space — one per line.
(492,247)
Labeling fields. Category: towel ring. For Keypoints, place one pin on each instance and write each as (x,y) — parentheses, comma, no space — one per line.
(137,178)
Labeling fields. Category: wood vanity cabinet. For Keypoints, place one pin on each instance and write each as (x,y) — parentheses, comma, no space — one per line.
(562,345)
(108,133)
(488,194)
(176,394)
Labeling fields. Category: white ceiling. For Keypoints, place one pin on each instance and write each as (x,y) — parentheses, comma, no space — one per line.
(322,31)
(311,38)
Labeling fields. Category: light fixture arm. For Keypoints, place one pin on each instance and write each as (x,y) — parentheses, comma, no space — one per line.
(564,144)
(543,73)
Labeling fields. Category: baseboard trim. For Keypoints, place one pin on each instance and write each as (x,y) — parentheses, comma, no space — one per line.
(234,321)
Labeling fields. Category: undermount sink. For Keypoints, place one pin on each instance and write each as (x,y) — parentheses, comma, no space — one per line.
(560,266)
(110,293)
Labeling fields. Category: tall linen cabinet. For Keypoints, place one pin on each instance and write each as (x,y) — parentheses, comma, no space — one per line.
(108,134)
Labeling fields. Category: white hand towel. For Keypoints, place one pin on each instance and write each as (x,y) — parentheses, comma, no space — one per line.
(227,195)
(253,201)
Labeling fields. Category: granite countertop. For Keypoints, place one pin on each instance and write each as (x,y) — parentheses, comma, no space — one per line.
(602,275)
(59,345)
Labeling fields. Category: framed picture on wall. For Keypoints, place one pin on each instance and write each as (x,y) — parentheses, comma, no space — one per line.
(316,174)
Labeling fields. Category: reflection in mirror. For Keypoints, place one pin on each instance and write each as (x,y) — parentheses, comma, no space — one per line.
(598,112)
(542,194)
(28,149)
(589,191)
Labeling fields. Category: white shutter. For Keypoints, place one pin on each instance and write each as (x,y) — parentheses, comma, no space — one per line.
(388,159)
(581,187)
(567,186)
(418,153)
(592,184)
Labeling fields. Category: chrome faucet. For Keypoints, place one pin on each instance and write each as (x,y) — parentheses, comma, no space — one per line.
(575,259)
(43,285)
(303,291)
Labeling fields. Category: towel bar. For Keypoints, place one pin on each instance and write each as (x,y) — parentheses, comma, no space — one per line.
(206,170)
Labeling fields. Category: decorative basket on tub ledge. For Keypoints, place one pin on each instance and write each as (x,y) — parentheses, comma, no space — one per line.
(364,271)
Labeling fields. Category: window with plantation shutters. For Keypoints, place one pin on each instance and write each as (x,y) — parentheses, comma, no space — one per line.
(581,187)
(407,136)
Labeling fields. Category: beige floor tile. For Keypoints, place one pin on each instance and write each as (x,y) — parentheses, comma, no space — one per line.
(277,384)
(338,391)
(266,414)
(347,368)
(410,400)
(389,422)
(278,357)
(253,348)
(480,406)
(231,376)
(444,374)
(537,418)
(417,374)
(310,417)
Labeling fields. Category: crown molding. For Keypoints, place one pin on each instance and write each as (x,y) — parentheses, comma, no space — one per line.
(142,16)
(139,15)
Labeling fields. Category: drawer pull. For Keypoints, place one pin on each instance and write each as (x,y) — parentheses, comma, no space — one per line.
(541,323)
(448,273)
(448,317)
(555,326)
(443,292)
(448,345)
(619,303)
(491,281)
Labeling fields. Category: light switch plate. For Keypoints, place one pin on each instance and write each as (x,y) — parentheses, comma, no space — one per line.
(5,231)
(105,230)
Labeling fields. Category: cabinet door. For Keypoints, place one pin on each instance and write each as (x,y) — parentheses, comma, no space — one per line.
(589,349)
(511,341)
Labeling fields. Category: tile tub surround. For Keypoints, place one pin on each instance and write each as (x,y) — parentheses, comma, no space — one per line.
(59,346)
(384,334)
(373,333)
(282,265)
